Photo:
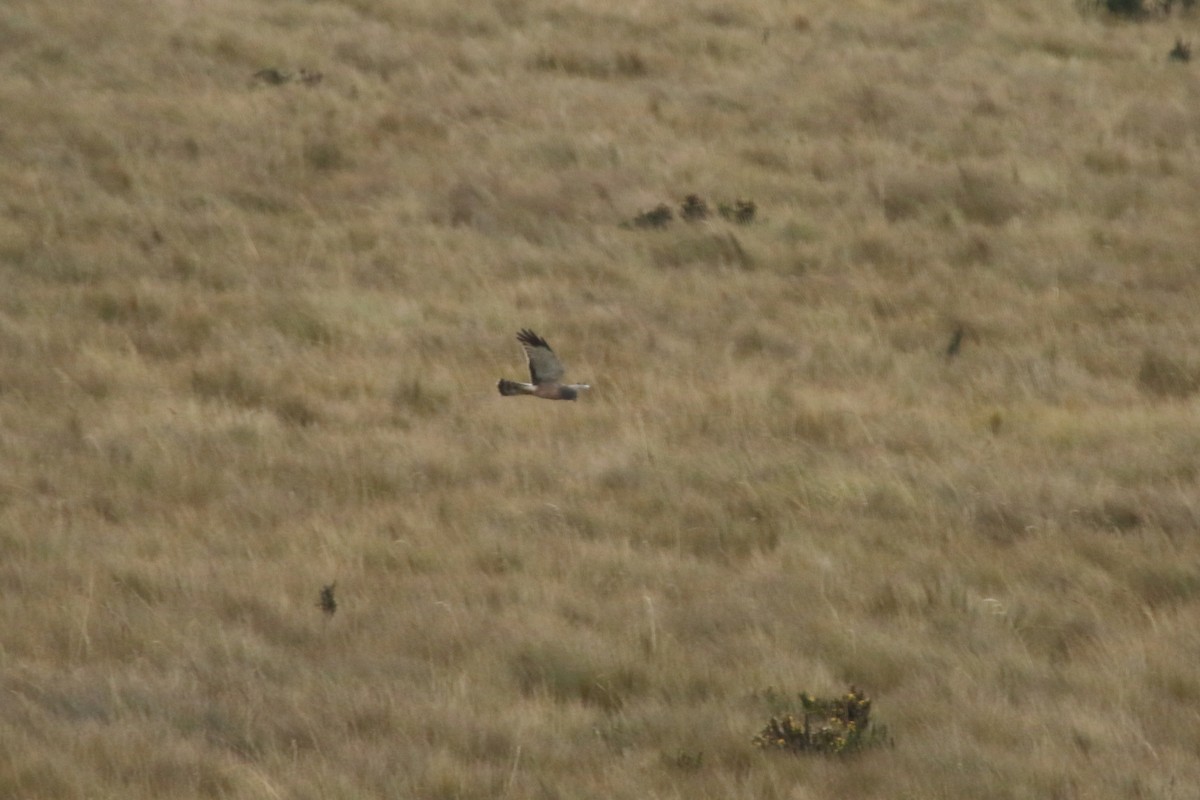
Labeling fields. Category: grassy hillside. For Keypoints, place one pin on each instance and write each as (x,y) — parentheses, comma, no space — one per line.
(251,325)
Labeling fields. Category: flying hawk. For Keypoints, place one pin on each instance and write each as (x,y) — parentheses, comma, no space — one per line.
(545,370)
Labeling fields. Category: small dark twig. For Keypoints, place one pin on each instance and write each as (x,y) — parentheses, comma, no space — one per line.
(955,342)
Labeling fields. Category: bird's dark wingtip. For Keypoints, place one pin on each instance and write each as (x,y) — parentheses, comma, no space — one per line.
(528,337)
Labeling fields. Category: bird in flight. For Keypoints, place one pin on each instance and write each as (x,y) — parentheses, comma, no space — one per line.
(545,372)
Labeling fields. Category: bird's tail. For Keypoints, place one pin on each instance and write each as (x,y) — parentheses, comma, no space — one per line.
(509,388)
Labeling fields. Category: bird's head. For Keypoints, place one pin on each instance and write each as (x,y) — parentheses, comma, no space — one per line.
(572,391)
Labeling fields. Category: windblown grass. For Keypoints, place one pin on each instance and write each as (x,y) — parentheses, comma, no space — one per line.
(249,341)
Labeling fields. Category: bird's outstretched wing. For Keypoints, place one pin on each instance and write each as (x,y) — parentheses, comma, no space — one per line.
(544,366)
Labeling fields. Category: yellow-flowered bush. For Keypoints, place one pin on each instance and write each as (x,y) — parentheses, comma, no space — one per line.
(833,726)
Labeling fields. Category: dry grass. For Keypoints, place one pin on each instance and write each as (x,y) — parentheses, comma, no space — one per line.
(249,341)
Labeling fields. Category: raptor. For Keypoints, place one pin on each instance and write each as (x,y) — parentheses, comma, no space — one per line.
(545,372)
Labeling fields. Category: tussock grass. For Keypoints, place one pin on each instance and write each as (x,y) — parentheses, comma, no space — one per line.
(251,331)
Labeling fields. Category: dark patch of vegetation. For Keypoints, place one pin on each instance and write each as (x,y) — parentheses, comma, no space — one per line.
(327,602)
(1139,9)
(631,65)
(740,211)
(956,340)
(988,197)
(833,726)
(1114,515)
(1182,51)
(325,155)
(273,76)
(295,410)
(685,761)
(622,65)
(1127,8)
(1168,376)
(694,209)
(658,217)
